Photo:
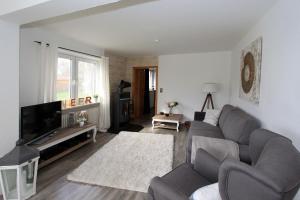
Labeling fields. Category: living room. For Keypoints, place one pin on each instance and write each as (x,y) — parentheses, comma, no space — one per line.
(71,57)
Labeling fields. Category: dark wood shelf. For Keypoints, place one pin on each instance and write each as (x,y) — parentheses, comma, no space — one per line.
(44,163)
(64,141)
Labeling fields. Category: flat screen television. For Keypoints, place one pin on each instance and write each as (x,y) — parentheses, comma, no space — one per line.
(40,120)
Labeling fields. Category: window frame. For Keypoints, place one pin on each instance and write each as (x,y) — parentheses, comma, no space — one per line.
(86,60)
(75,58)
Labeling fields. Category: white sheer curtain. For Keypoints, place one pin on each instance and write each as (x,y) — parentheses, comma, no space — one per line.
(48,66)
(104,95)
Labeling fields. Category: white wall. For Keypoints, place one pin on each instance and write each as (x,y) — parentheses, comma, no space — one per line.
(9,86)
(29,70)
(117,70)
(182,76)
(139,61)
(280,76)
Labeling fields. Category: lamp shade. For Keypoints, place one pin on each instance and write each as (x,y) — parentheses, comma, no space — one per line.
(209,87)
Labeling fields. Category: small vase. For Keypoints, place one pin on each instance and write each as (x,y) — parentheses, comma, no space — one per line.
(81,124)
(171,112)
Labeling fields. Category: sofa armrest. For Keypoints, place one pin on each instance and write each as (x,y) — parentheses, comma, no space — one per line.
(237,180)
(159,190)
(207,165)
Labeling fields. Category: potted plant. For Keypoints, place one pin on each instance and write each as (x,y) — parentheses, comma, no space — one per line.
(96,98)
(172,105)
(81,118)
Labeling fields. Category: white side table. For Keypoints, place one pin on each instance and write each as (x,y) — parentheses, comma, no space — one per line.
(167,122)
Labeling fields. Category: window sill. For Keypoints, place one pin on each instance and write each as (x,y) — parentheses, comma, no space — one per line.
(79,107)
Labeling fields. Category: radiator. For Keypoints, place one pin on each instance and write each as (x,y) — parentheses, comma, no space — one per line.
(91,109)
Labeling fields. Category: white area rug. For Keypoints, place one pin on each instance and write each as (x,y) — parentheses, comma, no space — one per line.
(129,161)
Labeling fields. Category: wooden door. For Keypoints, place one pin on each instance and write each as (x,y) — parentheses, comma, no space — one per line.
(138,92)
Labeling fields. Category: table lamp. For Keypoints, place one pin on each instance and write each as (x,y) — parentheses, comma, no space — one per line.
(209,88)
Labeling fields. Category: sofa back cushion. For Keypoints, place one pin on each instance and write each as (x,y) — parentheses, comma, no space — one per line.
(280,161)
(238,126)
(224,113)
(258,140)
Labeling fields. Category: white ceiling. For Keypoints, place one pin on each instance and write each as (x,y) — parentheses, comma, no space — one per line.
(8,6)
(36,10)
(181,26)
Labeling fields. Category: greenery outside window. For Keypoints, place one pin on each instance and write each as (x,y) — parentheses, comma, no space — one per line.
(76,75)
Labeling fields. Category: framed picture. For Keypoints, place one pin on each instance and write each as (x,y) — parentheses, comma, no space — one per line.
(250,72)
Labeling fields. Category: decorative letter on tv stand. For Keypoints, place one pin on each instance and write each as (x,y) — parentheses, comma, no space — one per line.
(66,140)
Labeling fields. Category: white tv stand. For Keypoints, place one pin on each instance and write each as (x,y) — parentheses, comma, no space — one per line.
(63,135)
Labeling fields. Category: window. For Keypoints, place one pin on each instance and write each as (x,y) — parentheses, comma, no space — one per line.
(64,78)
(76,75)
(86,78)
(152,79)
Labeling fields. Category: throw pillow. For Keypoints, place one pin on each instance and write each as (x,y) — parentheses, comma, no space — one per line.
(212,116)
(219,148)
(209,192)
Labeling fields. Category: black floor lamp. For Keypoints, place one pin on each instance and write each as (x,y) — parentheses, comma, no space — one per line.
(209,88)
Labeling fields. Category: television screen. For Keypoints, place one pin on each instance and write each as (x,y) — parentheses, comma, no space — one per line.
(40,120)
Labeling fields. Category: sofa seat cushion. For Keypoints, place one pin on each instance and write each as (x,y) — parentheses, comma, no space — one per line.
(185,179)
(199,125)
(204,129)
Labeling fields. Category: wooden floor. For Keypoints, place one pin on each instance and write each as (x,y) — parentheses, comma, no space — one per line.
(52,183)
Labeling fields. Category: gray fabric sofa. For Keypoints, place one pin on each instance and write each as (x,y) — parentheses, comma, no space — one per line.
(234,124)
(273,175)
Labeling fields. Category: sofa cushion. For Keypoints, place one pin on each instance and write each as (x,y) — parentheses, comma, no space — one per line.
(280,161)
(199,125)
(212,116)
(185,179)
(238,126)
(209,192)
(224,113)
(244,153)
(258,140)
(219,148)
(201,129)
(207,165)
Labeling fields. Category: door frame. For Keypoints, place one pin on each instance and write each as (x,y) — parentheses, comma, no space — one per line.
(134,68)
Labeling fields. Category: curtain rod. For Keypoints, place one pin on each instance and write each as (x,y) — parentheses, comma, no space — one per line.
(47,44)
